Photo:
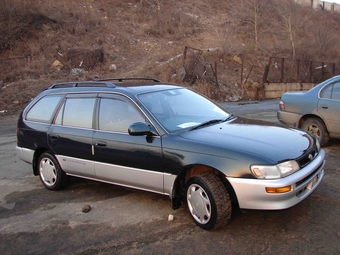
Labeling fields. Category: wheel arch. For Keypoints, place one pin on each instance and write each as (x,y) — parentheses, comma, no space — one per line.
(37,154)
(308,116)
(178,192)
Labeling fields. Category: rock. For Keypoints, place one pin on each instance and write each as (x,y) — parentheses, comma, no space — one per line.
(77,71)
(113,67)
(181,73)
(170,217)
(16,102)
(237,59)
(234,98)
(86,209)
(57,65)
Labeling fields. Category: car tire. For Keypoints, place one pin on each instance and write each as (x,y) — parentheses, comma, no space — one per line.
(51,174)
(208,201)
(317,128)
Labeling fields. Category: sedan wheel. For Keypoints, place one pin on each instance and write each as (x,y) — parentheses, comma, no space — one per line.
(317,128)
(208,201)
(51,174)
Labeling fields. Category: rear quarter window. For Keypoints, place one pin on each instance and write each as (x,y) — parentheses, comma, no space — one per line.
(44,109)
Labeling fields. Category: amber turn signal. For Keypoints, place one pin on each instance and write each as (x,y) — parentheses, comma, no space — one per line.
(279,190)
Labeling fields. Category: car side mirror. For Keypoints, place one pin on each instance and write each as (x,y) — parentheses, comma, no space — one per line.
(140,128)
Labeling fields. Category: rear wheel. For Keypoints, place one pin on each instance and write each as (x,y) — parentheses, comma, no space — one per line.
(51,174)
(317,128)
(208,201)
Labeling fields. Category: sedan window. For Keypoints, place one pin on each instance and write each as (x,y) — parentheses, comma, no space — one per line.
(331,91)
(336,91)
(327,92)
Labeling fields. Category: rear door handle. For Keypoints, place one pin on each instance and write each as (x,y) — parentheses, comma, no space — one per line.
(101,143)
(54,137)
(324,107)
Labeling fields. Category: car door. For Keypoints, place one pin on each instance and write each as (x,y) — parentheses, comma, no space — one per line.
(70,136)
(133,161)
(329,107)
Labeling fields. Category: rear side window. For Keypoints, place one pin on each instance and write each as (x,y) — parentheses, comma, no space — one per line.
(326,92)
(332,91)
(77,112)
(43,110)
(336,91)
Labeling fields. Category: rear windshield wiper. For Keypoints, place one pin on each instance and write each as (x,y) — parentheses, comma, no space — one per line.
(207,123)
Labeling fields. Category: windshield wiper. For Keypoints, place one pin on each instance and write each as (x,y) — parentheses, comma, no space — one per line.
(231,116)
(207,123)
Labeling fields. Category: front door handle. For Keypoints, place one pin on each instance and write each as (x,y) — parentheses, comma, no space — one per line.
(324,107)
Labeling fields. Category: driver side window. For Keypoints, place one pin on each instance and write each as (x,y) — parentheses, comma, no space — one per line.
(117,115)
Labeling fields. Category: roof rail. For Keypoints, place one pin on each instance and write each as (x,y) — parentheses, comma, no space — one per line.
(82,84)
(98,83)
(131,79)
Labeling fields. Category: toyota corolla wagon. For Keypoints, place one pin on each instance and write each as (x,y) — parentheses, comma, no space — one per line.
(167,139)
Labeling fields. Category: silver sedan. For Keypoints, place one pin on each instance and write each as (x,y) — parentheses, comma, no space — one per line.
(316,111)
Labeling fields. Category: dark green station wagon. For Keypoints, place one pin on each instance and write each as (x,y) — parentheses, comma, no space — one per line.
(167,139)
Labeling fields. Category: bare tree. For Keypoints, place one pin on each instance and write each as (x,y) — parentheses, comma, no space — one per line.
(255,13)
(251,16)
(291,20)
(323,36)
(226,37)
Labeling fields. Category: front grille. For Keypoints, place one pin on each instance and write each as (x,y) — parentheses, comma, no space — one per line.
(307,158)
(306,178)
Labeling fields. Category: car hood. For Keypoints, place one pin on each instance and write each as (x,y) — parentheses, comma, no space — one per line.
(261,139)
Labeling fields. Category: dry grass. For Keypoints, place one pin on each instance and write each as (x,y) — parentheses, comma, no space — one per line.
(142,38)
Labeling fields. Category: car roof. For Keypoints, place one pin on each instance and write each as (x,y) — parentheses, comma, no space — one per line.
(127,86)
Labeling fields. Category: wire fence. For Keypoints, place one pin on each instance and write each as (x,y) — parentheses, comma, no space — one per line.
(285,70)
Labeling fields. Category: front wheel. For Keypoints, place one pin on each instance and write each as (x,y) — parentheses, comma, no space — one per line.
(208,201)
(317,128)
(51,174)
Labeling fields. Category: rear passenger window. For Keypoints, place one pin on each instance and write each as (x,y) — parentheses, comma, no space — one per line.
(78,112)
(336,91)
(43,110)
(332,91)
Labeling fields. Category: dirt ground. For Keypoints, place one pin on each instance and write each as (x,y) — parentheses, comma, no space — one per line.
(36,221)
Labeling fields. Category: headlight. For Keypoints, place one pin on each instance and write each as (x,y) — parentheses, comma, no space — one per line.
(276,171)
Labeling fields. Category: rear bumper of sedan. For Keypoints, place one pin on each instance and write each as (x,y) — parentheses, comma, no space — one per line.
(289,118)
(251,193)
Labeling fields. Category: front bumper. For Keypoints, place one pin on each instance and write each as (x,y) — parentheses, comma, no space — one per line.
(251,193)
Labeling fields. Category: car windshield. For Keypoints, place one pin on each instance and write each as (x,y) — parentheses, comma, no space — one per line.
(179,109)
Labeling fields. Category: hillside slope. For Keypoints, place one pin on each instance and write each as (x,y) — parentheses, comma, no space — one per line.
(147,38)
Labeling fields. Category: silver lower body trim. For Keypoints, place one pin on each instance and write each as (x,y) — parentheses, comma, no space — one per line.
(25,154)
